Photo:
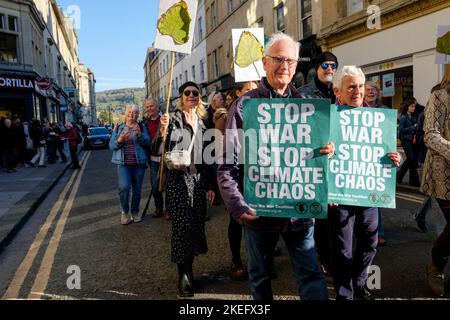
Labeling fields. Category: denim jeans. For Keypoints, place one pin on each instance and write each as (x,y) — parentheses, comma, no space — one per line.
(130,179)
(300,244)
(154,181)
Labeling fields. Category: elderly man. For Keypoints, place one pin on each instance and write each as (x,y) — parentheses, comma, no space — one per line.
(350,271)
(321,87)
(260,233)
(152,123)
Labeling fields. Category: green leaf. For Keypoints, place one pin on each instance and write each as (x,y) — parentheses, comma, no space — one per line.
(176,22)
(249,50)
(443,44)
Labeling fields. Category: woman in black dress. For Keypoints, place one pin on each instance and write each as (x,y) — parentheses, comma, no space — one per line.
(188,188)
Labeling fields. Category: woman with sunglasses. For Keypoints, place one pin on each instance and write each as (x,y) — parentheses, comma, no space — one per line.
(188,188)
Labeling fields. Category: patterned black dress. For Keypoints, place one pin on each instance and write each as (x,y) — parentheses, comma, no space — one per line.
(186,197)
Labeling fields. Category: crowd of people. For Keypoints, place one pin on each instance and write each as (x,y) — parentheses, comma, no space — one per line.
(35,143)
(341,247)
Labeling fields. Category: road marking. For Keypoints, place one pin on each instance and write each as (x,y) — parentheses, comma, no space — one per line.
(19,277)
(235,297)
(410,198)
(41,280)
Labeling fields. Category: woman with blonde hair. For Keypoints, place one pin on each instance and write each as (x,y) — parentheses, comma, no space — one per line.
(436,177)
(188,188)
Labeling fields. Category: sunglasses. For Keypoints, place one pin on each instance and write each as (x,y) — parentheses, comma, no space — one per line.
(187,93)
(326,65)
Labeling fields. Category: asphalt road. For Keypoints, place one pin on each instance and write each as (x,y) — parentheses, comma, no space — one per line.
(76,231)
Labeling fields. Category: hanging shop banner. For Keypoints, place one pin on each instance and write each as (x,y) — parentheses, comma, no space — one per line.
(361,173)
(175,26)
(248,48)
(285,173)
(389,85)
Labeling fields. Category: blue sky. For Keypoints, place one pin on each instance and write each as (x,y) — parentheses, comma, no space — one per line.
(113,39)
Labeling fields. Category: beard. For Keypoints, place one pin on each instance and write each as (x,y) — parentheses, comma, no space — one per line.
(328,77)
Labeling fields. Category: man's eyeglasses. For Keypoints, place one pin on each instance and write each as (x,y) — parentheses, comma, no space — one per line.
(281,60)
(326,65)
(187,93)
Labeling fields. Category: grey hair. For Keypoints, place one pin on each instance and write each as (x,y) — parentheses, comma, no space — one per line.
(152,100)
(133,107)
(280,36)
(347,71)
(211,96)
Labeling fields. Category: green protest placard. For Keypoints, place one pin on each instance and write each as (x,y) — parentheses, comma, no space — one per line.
(285,173)
(361,173)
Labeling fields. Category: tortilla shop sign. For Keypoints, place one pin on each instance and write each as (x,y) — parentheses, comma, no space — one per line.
(16,82)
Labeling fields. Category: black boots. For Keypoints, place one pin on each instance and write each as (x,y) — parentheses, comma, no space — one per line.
(185,281)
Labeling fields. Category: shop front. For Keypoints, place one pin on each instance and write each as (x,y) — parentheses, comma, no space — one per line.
(395,78)
(20,98)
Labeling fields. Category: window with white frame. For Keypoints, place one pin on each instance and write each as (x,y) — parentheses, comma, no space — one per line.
(200,29)
(8,48)
(2,21)
(279,18)
(193,72)
(306,18)
(213,15)
(8,39)
(202,69)
(186,75)
(354,6)
(12,23)
(215,64)
(230,6)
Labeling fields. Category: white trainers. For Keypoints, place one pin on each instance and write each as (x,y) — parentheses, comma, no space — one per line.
(125,219)
(137,217)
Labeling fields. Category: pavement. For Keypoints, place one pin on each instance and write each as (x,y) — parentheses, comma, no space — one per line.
(22,192)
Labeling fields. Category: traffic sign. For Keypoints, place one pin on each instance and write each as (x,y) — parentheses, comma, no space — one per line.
(44,84)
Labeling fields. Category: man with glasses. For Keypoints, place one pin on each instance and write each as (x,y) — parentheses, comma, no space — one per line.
(262,233)
(321,87)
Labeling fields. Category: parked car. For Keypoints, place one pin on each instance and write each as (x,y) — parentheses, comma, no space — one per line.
(97,137)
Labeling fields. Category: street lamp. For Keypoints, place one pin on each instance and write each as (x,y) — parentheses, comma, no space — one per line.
(109,113)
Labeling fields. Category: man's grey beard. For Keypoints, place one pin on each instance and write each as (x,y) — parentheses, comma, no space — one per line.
(328,77)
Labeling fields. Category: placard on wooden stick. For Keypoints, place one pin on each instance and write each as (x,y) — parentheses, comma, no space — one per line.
(176,24)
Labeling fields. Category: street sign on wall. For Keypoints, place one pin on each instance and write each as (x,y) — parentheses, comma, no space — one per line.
(44,84)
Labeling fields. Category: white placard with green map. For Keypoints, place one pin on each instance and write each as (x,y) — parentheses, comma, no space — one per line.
(248,49)
(175,26)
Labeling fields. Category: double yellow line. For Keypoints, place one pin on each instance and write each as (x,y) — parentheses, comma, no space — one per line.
(45,268)
(409,197)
